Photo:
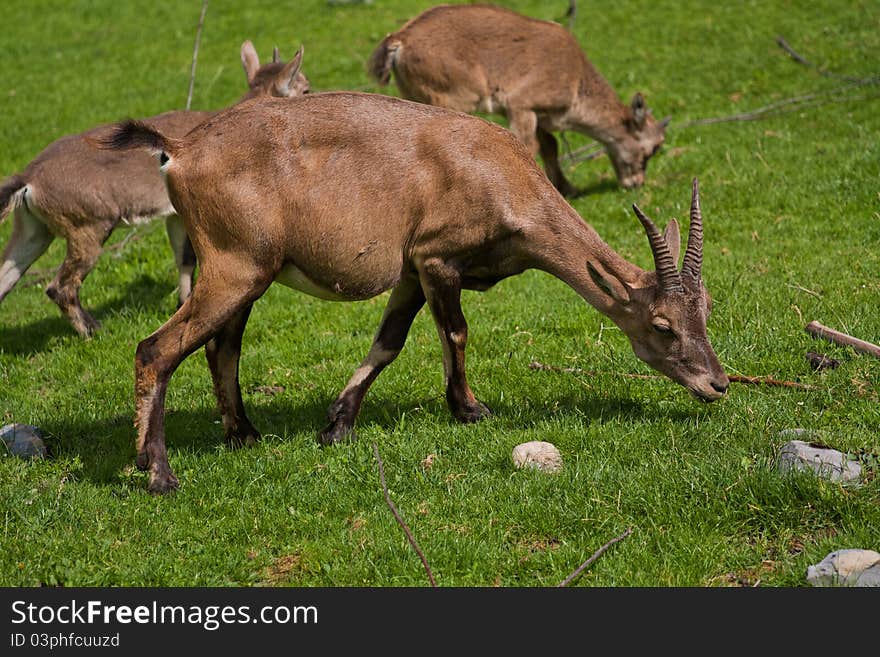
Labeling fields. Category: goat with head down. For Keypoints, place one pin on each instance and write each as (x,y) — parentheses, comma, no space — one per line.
(346,195)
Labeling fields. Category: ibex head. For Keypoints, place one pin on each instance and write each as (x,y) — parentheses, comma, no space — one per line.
(644,137)
(666,321)
(276,78)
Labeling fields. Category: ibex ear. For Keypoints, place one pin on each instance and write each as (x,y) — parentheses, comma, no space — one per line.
(288,73)
(249,60)
(673,239)
(610,285)
(640,110)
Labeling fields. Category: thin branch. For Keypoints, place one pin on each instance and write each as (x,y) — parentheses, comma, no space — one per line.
(192,71)
(800,59)
(583,154)
(596,555)
(817,330)
(571,13)
(764,380)
(409,536)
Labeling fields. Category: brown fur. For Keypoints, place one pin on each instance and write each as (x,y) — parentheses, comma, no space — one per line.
(490,59)
(347,195)
(79,192)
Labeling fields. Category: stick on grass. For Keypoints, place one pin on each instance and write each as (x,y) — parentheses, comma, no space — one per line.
(192,71)
(817,330)
(596,555)
(409,536)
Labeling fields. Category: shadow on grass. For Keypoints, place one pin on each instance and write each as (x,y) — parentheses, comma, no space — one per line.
(599,187)
(144,292)
(106,448)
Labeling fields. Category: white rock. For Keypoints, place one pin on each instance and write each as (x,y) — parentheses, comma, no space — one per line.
(537,454)
(846,568)
(825,462)
(23,440)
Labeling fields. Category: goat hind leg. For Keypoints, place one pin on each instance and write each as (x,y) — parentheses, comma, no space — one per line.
(30,239)
(203,315)
(83,250)
(223,352)
(403,305)
(442,286)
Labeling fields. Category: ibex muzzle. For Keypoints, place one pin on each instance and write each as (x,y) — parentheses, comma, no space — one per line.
(346,195)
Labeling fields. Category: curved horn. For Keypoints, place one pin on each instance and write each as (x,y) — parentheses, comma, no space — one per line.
(667,274)
(693,256)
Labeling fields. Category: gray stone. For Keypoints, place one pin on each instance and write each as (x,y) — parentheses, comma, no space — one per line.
(537,454)
(851,567)
(23,440)
(827,463)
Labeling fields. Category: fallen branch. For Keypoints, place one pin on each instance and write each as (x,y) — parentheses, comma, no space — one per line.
(817,330)
(409,536)
(800,59)
(595,556)
(192,72)
(571,14)
(736,378)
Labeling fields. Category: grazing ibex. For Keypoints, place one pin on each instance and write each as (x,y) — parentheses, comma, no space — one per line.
(79,192)
(489,59)
(346,195)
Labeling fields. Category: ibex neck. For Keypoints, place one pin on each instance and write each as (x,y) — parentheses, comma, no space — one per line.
(573,247)
(598,109)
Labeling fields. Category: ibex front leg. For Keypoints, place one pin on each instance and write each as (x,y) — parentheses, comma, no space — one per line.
(403,305)
(216,304)
(224,352)
(442,286)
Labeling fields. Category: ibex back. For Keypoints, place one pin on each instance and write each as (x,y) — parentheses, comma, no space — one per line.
(79,192)
(346,195)
(491,59)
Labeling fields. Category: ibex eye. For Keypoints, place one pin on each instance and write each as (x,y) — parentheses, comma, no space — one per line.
(662,328)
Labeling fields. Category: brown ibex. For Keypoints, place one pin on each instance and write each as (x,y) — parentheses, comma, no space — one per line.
(80,192)
(482,58)
(346,195)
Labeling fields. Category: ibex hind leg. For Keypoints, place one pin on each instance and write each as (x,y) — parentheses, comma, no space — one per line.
(83,250)
(442,286)
(216,306)
(403,305)
(223,352)
(30,239)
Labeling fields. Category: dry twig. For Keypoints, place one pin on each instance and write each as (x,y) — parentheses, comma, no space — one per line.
(409,536)
(817,330)
(596,555)
(765,380)
(800,59)
(192,72)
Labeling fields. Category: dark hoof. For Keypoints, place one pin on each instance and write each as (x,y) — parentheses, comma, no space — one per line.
(336,433)
(240,439)
(142,461)
(164,483)
(471,414)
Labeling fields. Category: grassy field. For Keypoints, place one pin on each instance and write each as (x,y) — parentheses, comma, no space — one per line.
(791,206)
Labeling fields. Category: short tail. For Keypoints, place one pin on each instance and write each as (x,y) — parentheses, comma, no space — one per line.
(383,58)
(11,194)
(128,135)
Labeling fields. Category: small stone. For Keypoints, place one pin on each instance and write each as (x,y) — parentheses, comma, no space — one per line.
(537,454)
(23,440)
(825,462)
(851,567)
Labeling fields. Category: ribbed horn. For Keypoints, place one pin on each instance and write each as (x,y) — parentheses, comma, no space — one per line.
(667,273)
(693,257)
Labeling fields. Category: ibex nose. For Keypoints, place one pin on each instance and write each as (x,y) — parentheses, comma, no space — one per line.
(720,387)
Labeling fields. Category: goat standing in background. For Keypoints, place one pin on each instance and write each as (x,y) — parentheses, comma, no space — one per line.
(482,58)
(79,192)
(346,195)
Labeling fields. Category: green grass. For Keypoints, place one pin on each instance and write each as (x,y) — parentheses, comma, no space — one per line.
(792,220)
